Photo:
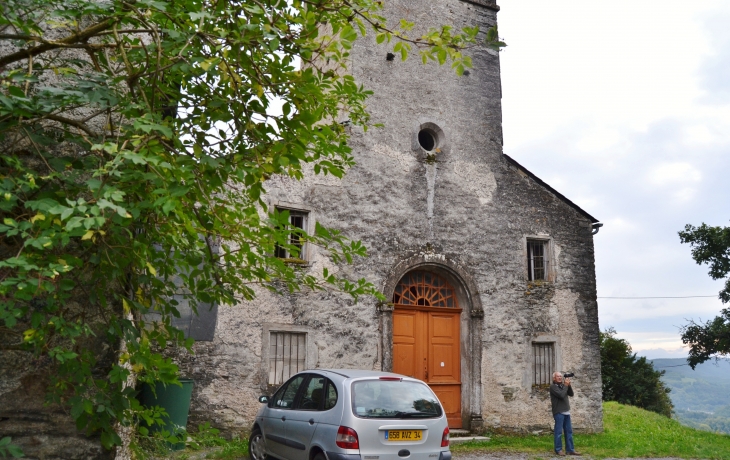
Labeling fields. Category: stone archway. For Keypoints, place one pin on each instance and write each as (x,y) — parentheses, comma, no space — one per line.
(470,320)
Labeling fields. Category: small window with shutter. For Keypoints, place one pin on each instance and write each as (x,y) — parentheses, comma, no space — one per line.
(296,247)
(538,260)
(287,355)
(543,362)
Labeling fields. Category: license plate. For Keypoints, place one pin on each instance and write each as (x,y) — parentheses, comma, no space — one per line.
(403,435)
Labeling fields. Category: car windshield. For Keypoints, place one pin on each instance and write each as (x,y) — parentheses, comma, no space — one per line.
(399,399)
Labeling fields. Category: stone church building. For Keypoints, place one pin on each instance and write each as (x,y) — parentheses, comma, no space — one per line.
(489,271)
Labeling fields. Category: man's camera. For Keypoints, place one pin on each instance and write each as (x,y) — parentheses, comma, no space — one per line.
(568,375)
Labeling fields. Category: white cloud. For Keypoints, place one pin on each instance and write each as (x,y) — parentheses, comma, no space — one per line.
(619,62)
(613,108)
(599,138)
(699,134)
(618,224)
(677,180)
(641,341)
(658,353)
(674,174)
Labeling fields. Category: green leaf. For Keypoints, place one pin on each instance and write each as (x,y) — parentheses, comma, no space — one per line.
(17,92)
(67,284)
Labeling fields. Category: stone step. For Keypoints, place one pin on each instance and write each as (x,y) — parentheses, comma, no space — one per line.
(457,435)
(468,438)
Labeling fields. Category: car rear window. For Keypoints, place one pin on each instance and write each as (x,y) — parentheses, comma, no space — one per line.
(399,399)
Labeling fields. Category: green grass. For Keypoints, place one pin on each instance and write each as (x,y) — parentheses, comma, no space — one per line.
(628,432)
(233,449)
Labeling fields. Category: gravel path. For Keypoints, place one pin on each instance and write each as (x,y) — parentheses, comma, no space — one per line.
(473,455)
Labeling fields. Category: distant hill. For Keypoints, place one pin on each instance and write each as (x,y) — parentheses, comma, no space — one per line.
(701,397)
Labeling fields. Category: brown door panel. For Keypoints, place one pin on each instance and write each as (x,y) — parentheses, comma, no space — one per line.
(450,397)
(444,366)
(442,326)
(404,325)
(426,345)
(407,337)
(403,359)
(443,347)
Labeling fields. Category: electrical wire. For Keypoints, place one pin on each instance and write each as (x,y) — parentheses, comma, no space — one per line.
(668,297)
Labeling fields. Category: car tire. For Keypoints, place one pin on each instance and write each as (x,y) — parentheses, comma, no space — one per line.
(257,446)
(319,456)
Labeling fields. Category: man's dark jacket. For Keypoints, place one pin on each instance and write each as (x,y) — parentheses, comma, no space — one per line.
(559,397)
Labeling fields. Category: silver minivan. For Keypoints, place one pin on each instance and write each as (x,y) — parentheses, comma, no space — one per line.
(349,414)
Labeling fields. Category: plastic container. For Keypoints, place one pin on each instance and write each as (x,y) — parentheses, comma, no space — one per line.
(176,402)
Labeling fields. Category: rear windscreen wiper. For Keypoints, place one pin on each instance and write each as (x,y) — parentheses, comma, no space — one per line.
(414,414)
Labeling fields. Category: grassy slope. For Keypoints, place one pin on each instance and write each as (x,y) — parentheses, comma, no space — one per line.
(628,432)
(704,389)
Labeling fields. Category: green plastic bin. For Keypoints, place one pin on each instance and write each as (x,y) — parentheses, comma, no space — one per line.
(176,402)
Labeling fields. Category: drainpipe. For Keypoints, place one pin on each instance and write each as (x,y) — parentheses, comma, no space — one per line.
(597,226)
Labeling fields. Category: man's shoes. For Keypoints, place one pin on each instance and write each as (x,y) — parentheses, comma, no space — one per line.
(577,454)
(560,453)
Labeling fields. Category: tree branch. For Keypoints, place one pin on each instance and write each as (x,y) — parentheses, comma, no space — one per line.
(63,43)
(74,123)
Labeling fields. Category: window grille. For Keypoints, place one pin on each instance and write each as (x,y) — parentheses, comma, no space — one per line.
(286,355)
(425,289)
(537,260)
(543,363)
(298,221)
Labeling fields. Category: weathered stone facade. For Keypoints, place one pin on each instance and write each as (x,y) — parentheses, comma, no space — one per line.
(464,211)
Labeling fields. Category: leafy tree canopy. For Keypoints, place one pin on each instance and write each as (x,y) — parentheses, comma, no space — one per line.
(629,380)
(137,139)
(711,246)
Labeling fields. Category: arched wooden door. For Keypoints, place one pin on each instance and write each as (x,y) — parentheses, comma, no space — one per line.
(426,337)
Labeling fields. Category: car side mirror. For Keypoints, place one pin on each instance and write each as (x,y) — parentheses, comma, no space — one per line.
(263,399)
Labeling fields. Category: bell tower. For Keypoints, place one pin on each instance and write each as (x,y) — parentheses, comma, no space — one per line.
(418,184)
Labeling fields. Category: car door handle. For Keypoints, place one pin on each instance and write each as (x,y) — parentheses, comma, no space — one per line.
(283,419)
(311,421)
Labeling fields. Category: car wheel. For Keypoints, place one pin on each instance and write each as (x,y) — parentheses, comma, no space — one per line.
(257,446)
(319,456)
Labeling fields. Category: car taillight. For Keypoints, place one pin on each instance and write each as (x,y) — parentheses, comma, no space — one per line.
(391,378)
(445,438)
(347,438)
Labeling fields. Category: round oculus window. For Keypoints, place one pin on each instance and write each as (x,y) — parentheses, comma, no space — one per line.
(427,139)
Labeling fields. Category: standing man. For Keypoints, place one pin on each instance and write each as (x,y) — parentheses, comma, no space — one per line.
(559,393)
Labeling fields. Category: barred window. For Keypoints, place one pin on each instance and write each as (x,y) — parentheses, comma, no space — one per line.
(287,355)
(543,358)
(537,260)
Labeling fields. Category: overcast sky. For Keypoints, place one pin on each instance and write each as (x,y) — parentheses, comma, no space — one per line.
(624,107)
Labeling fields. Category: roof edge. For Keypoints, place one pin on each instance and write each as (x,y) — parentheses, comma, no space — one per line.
(489,4)
(550,189)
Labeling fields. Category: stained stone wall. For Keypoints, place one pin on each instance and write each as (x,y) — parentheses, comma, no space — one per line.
(43,431)
(465,212)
